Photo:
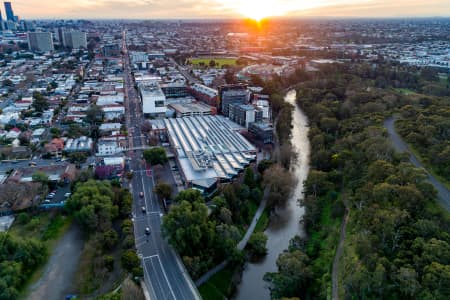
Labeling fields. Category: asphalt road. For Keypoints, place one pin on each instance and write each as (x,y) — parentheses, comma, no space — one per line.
(164,274)
(401,146)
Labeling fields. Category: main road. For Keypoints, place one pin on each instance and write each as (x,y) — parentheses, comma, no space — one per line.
(164,274)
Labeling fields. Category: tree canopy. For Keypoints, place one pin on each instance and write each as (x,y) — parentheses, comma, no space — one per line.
(156,156)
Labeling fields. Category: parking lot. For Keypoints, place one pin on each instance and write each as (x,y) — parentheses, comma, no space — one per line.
(59,195)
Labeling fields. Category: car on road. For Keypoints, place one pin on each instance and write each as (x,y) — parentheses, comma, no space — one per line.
(141,194)
(147,231)
(144,210)
(67,195)
(47,201)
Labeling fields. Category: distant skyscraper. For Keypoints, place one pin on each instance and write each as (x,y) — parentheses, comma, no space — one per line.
(40,41)
(9,11)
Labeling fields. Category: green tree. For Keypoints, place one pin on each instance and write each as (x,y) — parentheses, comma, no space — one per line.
(249,178)
(94,115)
(163,190)
(40,103)
(40,177)
(92,205)
(155,156)
(257,244)
(130,260)
(188,228)
(294,273)
(189,195)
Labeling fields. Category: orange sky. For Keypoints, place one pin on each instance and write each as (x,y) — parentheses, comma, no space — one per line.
(227,8)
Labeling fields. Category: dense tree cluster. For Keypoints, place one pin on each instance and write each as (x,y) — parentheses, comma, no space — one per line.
(19,258)
(427,129)
(102,210)
(397,244)
(204,239)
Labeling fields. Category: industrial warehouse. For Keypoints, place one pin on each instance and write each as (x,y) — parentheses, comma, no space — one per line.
(209,150)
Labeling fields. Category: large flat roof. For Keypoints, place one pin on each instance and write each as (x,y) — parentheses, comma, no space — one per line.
(209,147)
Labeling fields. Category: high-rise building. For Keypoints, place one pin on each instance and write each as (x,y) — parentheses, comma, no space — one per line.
(74,39)
(9,12)
(40,41)
(232,94)
(61,35)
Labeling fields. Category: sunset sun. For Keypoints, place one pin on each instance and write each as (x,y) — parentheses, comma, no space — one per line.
(259,9)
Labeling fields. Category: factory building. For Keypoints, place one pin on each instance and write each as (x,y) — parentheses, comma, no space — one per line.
(209,150)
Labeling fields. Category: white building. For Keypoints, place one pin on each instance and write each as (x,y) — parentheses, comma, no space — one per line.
(113,112)
(153,98)
(107,127)
(110,99)
(105,148)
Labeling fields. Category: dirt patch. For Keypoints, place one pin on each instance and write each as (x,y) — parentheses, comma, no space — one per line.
(59,273)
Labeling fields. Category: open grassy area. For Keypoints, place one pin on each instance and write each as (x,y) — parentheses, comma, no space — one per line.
(219,286)
(324,243)
(45,226)
(220,61)
(263,221)
(405,91)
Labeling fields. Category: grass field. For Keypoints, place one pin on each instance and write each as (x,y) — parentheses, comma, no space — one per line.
(220,61)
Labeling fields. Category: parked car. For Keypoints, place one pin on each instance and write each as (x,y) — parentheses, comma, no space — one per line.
(67,195)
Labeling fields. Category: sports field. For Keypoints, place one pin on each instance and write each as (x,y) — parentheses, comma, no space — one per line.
(220,61)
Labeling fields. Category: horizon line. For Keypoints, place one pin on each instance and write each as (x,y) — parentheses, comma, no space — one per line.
(238,18)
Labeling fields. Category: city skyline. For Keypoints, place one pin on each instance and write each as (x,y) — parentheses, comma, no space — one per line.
(207,9)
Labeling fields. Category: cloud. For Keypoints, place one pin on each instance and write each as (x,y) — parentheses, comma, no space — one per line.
(129,9)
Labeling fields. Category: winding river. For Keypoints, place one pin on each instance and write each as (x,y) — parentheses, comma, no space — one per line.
(285,223)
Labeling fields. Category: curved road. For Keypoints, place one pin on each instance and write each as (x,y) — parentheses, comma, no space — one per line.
(401,146)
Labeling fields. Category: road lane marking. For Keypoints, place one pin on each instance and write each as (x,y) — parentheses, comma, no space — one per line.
(149,280)
(167,280)
(150,256)
(160,285)
(145,194)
